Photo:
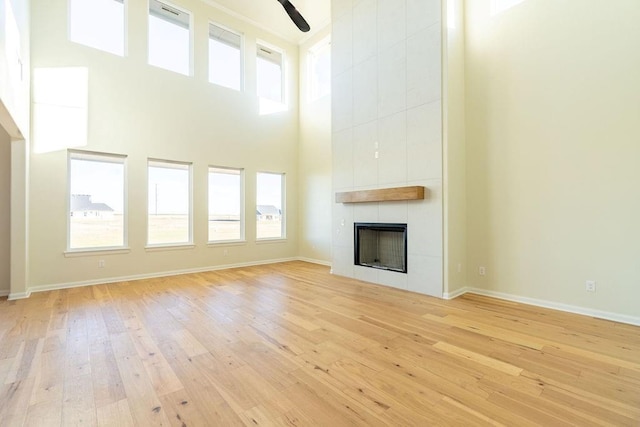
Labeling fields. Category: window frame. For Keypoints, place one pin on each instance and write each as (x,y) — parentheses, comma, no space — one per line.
(190,242)
(242,237)
(312,55)
(242,55)
(190,71)
(116,158)
(283,208)
(283,73)
(125,35)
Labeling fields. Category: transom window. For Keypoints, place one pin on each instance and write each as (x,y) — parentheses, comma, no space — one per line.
(225,57)
(98,24)
(169,37)
(320,69)
(269,74)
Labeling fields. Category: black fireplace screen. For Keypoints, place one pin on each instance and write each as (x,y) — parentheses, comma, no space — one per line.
(382,246)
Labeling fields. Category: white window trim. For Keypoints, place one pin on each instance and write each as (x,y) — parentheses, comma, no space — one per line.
(242,53)
(242,238)
(125,207)
(283,202)
(176,245)
(283,67)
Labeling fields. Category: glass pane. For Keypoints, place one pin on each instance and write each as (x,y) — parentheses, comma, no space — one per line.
(96,205)
(168,45)
(269,80)
(225,222)
(224,64)
(269,210)
(320,72)
(169,205)
(98,24)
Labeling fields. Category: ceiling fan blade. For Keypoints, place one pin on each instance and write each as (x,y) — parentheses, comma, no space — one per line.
(295,15)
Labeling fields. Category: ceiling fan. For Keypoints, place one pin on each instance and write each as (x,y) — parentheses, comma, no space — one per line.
(295,16)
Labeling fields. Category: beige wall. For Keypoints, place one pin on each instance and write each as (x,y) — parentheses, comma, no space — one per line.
(5,212)
(454,150)
(143,112)
(553,94)
(314,165)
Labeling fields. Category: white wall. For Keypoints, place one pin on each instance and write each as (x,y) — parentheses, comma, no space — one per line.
(314,165)
(5,212)
(143,112)
(387,98)
(553,94)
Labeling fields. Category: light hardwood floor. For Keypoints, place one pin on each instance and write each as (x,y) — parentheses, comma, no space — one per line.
(289,344)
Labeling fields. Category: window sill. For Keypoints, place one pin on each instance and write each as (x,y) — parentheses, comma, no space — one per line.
(271,240)
(71,253)
(227,243)
(174,247)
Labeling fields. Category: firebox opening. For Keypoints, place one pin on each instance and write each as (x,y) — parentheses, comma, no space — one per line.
(382,246)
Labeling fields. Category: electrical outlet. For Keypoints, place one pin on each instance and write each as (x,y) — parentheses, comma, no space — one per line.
(482,271)
(225,252)
(590,285)
(459,267)
(101,263)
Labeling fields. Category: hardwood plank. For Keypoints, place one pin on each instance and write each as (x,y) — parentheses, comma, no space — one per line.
(115,414)
(291,344)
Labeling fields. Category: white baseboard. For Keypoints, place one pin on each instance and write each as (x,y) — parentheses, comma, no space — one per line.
(455,294)
(4,293)
(56,286)
(315,261)
(607,315)
(19,295)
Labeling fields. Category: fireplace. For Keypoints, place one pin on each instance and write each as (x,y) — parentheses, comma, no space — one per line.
(382,246)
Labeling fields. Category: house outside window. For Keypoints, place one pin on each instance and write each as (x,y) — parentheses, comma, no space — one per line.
(270,202)
(97,205)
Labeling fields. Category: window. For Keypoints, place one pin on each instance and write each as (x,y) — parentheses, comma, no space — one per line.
(226,210)
(98,24)
(270,206)
(225,57)
(96,201)
(13,49)
(169,203)
(169,37)
(320,69)
(269,74)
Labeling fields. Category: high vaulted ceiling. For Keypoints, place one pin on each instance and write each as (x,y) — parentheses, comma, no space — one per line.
(270,15)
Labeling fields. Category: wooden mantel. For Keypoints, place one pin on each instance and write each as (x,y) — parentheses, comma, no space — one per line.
(381,195)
